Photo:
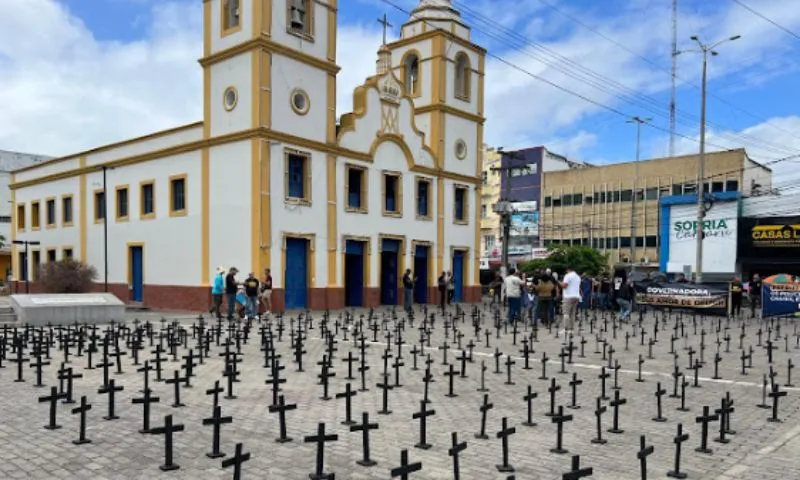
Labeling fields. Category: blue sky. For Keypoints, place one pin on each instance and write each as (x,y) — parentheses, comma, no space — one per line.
(79,73)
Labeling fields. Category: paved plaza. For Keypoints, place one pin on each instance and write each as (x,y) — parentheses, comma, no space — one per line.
(759,448)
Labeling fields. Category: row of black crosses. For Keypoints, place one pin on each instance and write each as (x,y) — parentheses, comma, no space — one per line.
(175,337)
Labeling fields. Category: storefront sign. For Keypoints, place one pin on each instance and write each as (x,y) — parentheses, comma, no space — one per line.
(780,295)
(774,237)
(712,299)
(719,237)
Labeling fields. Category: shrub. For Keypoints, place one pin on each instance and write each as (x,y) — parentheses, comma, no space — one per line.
(66,276)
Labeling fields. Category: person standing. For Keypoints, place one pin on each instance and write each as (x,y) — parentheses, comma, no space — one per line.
(605,291)
(514,295)
(755,294)
(230,291)
(266,291)
(251,290)
(545,290)
(441,284)
(217,290)
(625,300)
(451,287)
(736,290)
(408,290)
(572,297)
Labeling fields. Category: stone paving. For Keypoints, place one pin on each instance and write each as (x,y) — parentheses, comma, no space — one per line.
(759,449)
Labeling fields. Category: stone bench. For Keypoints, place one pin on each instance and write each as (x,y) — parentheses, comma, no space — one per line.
(64,309)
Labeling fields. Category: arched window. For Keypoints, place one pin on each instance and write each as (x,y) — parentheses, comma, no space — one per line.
(463,77)
(411,80)
(230,14)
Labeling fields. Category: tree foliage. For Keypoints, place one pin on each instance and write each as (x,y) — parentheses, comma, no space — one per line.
(583,259)
(66,276)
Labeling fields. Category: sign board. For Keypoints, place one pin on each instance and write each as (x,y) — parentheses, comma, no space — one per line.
(540,253)
(525,206)
(707,298)
(774,237)
(525,223)
(780,296)
(719,237)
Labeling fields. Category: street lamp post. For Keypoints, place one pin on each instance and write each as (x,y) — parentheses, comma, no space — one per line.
(506,204)
(638,121)
(704,49)
(27,272)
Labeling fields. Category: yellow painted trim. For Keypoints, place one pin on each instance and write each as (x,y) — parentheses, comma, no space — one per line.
(407,89)
(476,274)
(364,208)
(48,225)
(266,22)
(367,259)
(224,28)
(111,146)
(265,206)
(307,194)
(332,31)
(82,210)
(311,263)
(129,275)
(451,110)
(331,113)
(117,216)
(36,215)
(67,249)
(258,19)
(440,223)
(64,198)
(264,93)
(205,218)
(97,193)
(397,140)
(398,176)
(481,82)
(20,216)
(465,189)
(255,212)
(417,180)
(271,46)
(14,225)
(207,14)
(466,94)
(185,210)
(142,214)
(332,221)
(431,34)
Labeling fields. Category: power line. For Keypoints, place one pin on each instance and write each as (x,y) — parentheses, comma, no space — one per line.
(764,17)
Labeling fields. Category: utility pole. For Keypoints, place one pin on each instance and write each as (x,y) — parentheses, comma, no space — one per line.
(672,102)
(504,206)
(701,167)
(638,121)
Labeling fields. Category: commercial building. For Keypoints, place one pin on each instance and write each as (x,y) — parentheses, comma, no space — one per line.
(10,161)
(490,195)
(615,207)
(268,179)
(769,235)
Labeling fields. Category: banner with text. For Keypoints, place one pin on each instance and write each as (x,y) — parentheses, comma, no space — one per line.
(704,298)
(780,295)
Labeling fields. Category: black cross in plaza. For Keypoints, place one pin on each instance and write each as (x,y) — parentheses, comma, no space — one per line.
(146,400)
(453,452)
(405,468)
(364,428)
(577,472)
(53,398)
(282,408)
(217,420)
(111,390)
(236,461)
(320,438)
(642,455)
(167,430)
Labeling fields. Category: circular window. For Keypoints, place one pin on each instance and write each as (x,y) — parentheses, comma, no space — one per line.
(230,98)
(300,102)
(461,149)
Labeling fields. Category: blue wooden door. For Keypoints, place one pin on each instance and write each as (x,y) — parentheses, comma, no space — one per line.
(296,274)
(137,274)
(23,266)
(389,265)
(354,274)
(458,275)
(421,272)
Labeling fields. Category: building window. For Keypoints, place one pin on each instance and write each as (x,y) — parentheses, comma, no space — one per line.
(639,242)
(626,195)
(625,242)
(485,178)
(488,242)
(392,194)
(36,259)
(689,189)
(483,211)
(67,253)
(99,206)
(717,187)
(297,177)
(651,194)
(23,266)
(732,186)
(411,75)
(21,217)
(230,97)
(50,212)
(122,203)
(36,215)
(556,201)
(567,200)
(463,77)
(548,201)
(423,198)
(300,18)
(51,255)
(5,219)
(230,15)
(577,199)
(66,211)
(460,204)
(356,188)
(300,102)
(651,241)
(177,196)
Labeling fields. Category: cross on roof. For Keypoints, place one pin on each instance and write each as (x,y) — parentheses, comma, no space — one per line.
(385,22)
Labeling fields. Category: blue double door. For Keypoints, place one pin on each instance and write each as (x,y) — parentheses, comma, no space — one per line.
(136,255)
(354,273)
(458,275)
(390,265)
(296,273)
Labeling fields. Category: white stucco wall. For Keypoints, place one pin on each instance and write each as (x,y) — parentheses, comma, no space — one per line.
(287,75)
(456,128)
(316,48)
(59,237)
(218,42)
(234,72)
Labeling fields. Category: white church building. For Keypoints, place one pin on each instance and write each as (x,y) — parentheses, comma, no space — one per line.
(270,179)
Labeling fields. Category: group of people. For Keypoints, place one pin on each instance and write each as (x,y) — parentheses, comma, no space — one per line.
(247,298)
(446,284)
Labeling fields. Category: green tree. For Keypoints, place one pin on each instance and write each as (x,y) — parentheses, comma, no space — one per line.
(583,259)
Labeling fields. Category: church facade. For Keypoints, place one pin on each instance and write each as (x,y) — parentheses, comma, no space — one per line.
(270,179)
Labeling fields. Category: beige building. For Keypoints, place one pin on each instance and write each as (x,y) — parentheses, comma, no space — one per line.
(490,194)
(615,207)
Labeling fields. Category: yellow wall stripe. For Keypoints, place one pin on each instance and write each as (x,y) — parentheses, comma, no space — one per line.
(83,213)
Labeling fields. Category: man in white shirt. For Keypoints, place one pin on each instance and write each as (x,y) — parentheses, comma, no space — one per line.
(572,297)
(513,286)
